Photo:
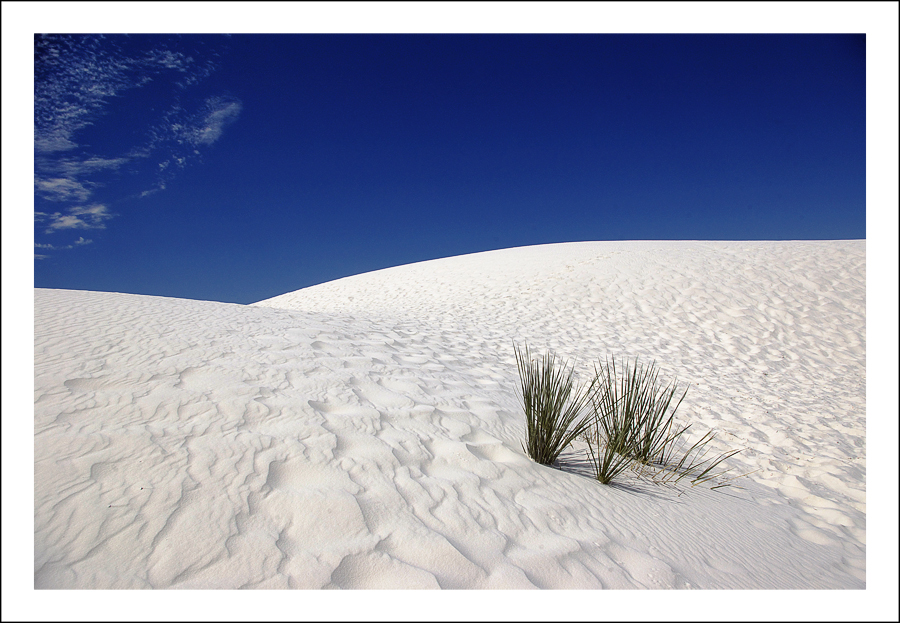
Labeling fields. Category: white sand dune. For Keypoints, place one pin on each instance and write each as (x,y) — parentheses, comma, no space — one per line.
(365,433)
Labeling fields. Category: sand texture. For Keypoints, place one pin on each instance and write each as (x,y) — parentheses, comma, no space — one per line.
(365,433)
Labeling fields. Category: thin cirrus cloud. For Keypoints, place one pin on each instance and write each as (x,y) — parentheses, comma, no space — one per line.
(62,189)
(78,217)
(222,112)
(185,133)
(51,247)
(81,83)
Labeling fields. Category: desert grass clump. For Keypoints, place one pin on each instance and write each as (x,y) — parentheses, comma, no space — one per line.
(553,404)
(635,411)
(607,444)
(634,425)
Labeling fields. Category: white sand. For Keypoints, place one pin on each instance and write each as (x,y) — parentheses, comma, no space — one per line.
(365,433)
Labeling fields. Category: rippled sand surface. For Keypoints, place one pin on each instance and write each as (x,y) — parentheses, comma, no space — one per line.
(365,433)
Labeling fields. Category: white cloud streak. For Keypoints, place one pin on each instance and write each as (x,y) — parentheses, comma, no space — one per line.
(52,247)
(77,79)
(81,217)
(78,243)
(77,76)
(61,189)
(222,112)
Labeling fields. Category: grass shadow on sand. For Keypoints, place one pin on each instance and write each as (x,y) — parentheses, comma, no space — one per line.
(578,462)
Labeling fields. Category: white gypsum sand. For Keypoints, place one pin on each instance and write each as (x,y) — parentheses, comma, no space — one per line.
(365,433)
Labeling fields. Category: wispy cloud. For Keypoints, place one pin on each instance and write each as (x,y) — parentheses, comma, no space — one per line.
(51,247)
(78,243)
(82,82)
(93,163)
(221,112)
(79,217)
(75,76)
(61,189)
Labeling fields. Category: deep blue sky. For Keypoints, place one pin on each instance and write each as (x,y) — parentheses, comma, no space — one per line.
(239,168)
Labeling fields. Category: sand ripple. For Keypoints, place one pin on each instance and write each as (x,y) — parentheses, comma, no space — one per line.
(365,433)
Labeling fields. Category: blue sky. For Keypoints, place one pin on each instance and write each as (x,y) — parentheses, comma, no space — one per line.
(236,168)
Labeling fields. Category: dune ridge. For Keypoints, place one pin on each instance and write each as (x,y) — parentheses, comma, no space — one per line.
(365,433)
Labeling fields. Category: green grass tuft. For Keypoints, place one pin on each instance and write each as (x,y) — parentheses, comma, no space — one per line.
(634,422)
(553,405)
(629,424)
